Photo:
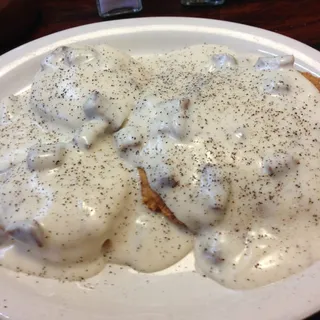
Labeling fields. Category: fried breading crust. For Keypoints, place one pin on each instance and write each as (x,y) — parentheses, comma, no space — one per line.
(153,201)
(313,79)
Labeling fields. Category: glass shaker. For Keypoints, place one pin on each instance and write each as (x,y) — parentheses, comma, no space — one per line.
(202,2)
(110,8)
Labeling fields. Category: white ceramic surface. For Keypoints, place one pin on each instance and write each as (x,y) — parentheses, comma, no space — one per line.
(178,292)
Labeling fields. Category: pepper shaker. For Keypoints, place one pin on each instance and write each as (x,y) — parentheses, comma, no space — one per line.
(110,8)
(202,2)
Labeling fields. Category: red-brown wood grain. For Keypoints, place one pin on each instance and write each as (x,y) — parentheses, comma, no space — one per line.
(16,16)
(298,19)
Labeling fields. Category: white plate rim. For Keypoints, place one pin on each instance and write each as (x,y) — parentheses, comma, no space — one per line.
(40,46)
(24,53)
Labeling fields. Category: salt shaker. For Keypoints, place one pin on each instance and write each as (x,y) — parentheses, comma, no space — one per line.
(110,8)
(202,2)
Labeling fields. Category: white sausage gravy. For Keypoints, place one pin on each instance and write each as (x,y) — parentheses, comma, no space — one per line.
(230,143)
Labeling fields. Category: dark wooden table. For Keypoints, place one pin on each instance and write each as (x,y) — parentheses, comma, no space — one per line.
(298,19)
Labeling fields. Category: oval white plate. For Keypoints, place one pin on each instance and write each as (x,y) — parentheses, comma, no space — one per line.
(178,292)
